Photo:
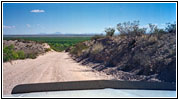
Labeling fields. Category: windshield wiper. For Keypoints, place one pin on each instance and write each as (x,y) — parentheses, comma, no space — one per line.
(92,84)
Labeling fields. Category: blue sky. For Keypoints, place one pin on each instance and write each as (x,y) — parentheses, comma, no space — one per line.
(34,18)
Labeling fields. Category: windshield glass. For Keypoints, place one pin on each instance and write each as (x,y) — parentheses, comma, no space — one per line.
(73,42)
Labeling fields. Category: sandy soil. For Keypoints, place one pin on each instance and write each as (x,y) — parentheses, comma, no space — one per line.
(50,67)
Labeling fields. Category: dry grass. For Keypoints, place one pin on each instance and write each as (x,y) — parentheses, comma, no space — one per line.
(97,48)
(153,38)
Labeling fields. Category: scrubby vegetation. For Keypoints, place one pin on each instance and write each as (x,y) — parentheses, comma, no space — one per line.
(18,49)
(9,53)
(134,54)
(130,28)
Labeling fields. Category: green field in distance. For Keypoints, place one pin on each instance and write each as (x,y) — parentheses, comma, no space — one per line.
(56,43)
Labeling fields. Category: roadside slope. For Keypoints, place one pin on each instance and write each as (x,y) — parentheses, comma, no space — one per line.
(50,67)
(147,57)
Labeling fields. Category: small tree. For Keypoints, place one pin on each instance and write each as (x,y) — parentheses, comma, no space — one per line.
(109,31)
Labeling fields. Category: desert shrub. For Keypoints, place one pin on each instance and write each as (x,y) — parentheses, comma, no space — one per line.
(21,54)
(9,53)
(130,28)
(109,31)
(11,47)
(31,55)
(154,30)
(171,28)
(15,55)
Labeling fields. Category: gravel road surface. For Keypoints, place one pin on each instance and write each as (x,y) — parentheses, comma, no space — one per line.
(50,67)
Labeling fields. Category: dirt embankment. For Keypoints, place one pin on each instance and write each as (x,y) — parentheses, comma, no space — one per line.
(27,46)
(22,49)
(50,67)
(149,57)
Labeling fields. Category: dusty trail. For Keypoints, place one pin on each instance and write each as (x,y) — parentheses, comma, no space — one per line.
(50,67)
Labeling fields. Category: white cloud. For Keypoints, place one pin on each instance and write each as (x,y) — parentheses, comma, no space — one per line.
(8,27)
(28,25)
(37,11)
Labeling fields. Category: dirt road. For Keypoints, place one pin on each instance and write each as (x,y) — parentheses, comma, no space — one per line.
(50,67)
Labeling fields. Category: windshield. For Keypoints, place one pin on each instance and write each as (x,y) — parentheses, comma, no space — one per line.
(76,42)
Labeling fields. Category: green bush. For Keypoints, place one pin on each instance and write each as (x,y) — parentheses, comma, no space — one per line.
(14,55)
(9,54)
(21,54)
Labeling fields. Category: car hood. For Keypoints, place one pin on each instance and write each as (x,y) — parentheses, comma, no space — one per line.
(101,93)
